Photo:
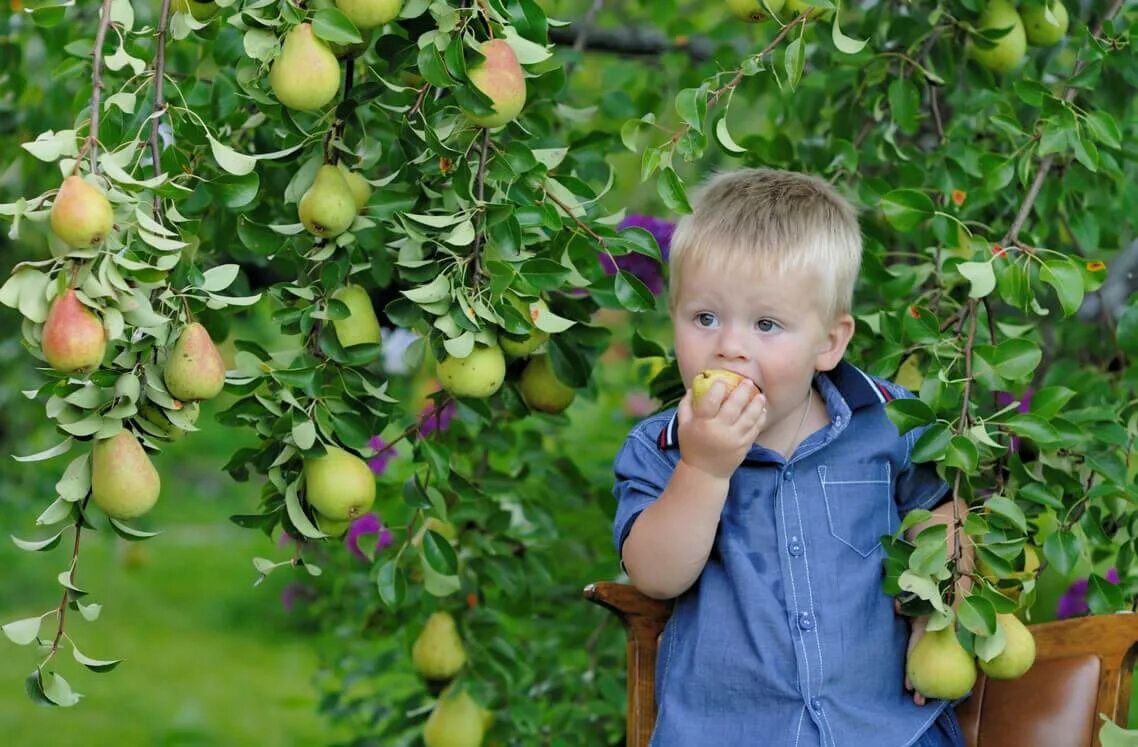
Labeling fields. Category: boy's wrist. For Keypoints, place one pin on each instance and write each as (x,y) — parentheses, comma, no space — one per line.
(704,473)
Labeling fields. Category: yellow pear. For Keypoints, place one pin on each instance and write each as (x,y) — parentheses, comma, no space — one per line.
(194,367)
(81,215)
(939,667)
(1018,655)
(339,485)
(500,77)
(332,527)
(1030,570)
(367,14)
(478,375)
(361,190)
(124,483)
(73,338)
(1009,49)
(909,373)
(306,75)
(542,390)
(328,207)
(201,11)
(456,721)
(361,325)
(753,10)
(536,337)
(703,380)
(1041,31)
(438,653)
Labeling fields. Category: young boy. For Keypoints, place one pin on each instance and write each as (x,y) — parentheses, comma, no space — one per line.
(760,507)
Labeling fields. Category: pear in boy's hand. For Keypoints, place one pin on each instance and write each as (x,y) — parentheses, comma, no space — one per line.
(702,382)
(939,667)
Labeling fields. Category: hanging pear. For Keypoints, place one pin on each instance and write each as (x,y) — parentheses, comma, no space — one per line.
(73,338)
(1018,654)
(939,667)
(306,75)
(81,215)
(361,326)
(367,14)
(500,77)
(542,390)
(438,653)
(124,483)
(339,485)
(478,375)
(328,207)
(361,190)
(456,721)
(194,368)
(536,338)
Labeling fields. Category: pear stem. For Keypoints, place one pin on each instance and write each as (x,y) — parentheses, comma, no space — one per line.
(159,98)
(61,610)
(480,239)
(97,85)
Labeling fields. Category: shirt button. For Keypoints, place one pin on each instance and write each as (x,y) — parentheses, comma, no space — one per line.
(805,621)
(788,475)
(816,704)
(795,547)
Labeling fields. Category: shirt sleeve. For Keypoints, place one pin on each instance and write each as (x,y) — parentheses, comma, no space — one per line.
(641,472)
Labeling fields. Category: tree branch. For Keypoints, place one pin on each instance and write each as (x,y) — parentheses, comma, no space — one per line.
(97,86)
(159,99)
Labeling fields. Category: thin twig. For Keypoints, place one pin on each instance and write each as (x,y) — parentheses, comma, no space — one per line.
(159,99)
(480,186)
(97,85)
(569,212)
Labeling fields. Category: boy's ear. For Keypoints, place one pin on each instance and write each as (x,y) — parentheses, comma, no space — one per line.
(833,345)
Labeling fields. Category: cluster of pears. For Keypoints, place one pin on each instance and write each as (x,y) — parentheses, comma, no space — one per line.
(438,655)
(330,204)
(340,487)
(940,667)
(755,11)
(1041,23)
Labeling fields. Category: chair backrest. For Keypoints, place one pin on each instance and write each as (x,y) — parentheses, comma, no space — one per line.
(1082,668)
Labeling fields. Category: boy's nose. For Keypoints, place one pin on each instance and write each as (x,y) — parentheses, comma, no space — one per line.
(732,346)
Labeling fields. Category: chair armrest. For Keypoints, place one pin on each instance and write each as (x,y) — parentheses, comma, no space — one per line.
(627,602)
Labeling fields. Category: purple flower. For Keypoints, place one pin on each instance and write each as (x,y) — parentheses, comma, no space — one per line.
(1073,603)
(647,269)
(435,419)
(384,453)
(367,524)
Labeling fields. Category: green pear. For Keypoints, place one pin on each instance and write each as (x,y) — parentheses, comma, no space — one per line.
(542,390)
(81,215)
(1041,31)
(478,375)
(73,338)
(339,485)
(438,653)
(361,190)
(328,207)
(1018,655)
(456,721)
(124,483)
(500,77)
(1009,49)
(194,368)
(939,667)
(361,326)
(160,422)
(201,11)
(306,75)
(536,337)
(332,527)
(367,14)
(753,10)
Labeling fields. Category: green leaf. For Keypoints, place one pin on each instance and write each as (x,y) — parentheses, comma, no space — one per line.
(795,59)
(58,691)
(908,414)
(962,454)
(439,553)
(1066,278)
(723,137)
(1016,359)
(391,584)
(932,444)
(1063,550)
(691,104)
(95,665)
(331,25)
(38,545)
(1103,597)
(54,451)
(303,432)
(923,587)
(1049,401)
(435,583)
(977,615)
(981,276)
(1104,129)
(671,191)
(1007,508)
(1113,735)
(129,533)
(632,293)
(844,43)
(230,160)
(1033,427)
(297,516)
(23,632)
(905,209)
(913,518)
(905,104)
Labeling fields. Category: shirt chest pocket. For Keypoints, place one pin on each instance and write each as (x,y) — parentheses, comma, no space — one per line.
(859,504)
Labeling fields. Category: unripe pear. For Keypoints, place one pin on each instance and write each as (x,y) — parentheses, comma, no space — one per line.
(361,325)
(1009,49)
(438,653)
(339,485)
(73,338)
(536,337)
(332,527)
(1018,654)
(328,207)
(457,721)
(201,11)
(306,75)
(1039,30)
(361,190)
(703,380)
(124,483)
(753,10)
(478,375)
(542,390)
(367,14)
(500,77)
(81,215)
(939,667)
(194,368)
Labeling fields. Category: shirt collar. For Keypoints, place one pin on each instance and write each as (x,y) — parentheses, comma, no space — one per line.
(855,386)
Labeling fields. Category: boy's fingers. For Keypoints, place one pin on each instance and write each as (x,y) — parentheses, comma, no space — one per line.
(738,400)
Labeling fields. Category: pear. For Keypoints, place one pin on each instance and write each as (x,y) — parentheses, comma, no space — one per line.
(124,483)
(456,721)
(939,667)
(367,14)
(1041,31)
(332,527)
(542,390)
(438,653)
(703,380)
(194,368)
(1010,48)
(157,422)
(306,75)
(339,485)
(500,77)
(361,325)
(328,207)
(478,375)
(201,11)
(81,215)
(1018,655)
(536,337)
(361,190)
(73,338)
(753,10)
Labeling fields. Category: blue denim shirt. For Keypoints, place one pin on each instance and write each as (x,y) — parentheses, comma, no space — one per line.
(787,638)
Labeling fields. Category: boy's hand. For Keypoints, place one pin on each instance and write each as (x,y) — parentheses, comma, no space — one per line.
(716,433)
(916,630)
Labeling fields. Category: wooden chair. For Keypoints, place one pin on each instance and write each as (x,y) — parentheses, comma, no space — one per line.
(1082,668)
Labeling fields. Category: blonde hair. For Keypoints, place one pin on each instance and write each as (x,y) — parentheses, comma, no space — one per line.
(774,222)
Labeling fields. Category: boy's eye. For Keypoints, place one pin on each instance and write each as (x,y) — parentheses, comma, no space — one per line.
(766,325)
(706,319)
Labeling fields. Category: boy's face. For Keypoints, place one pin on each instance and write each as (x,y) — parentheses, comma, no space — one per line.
(767,328)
